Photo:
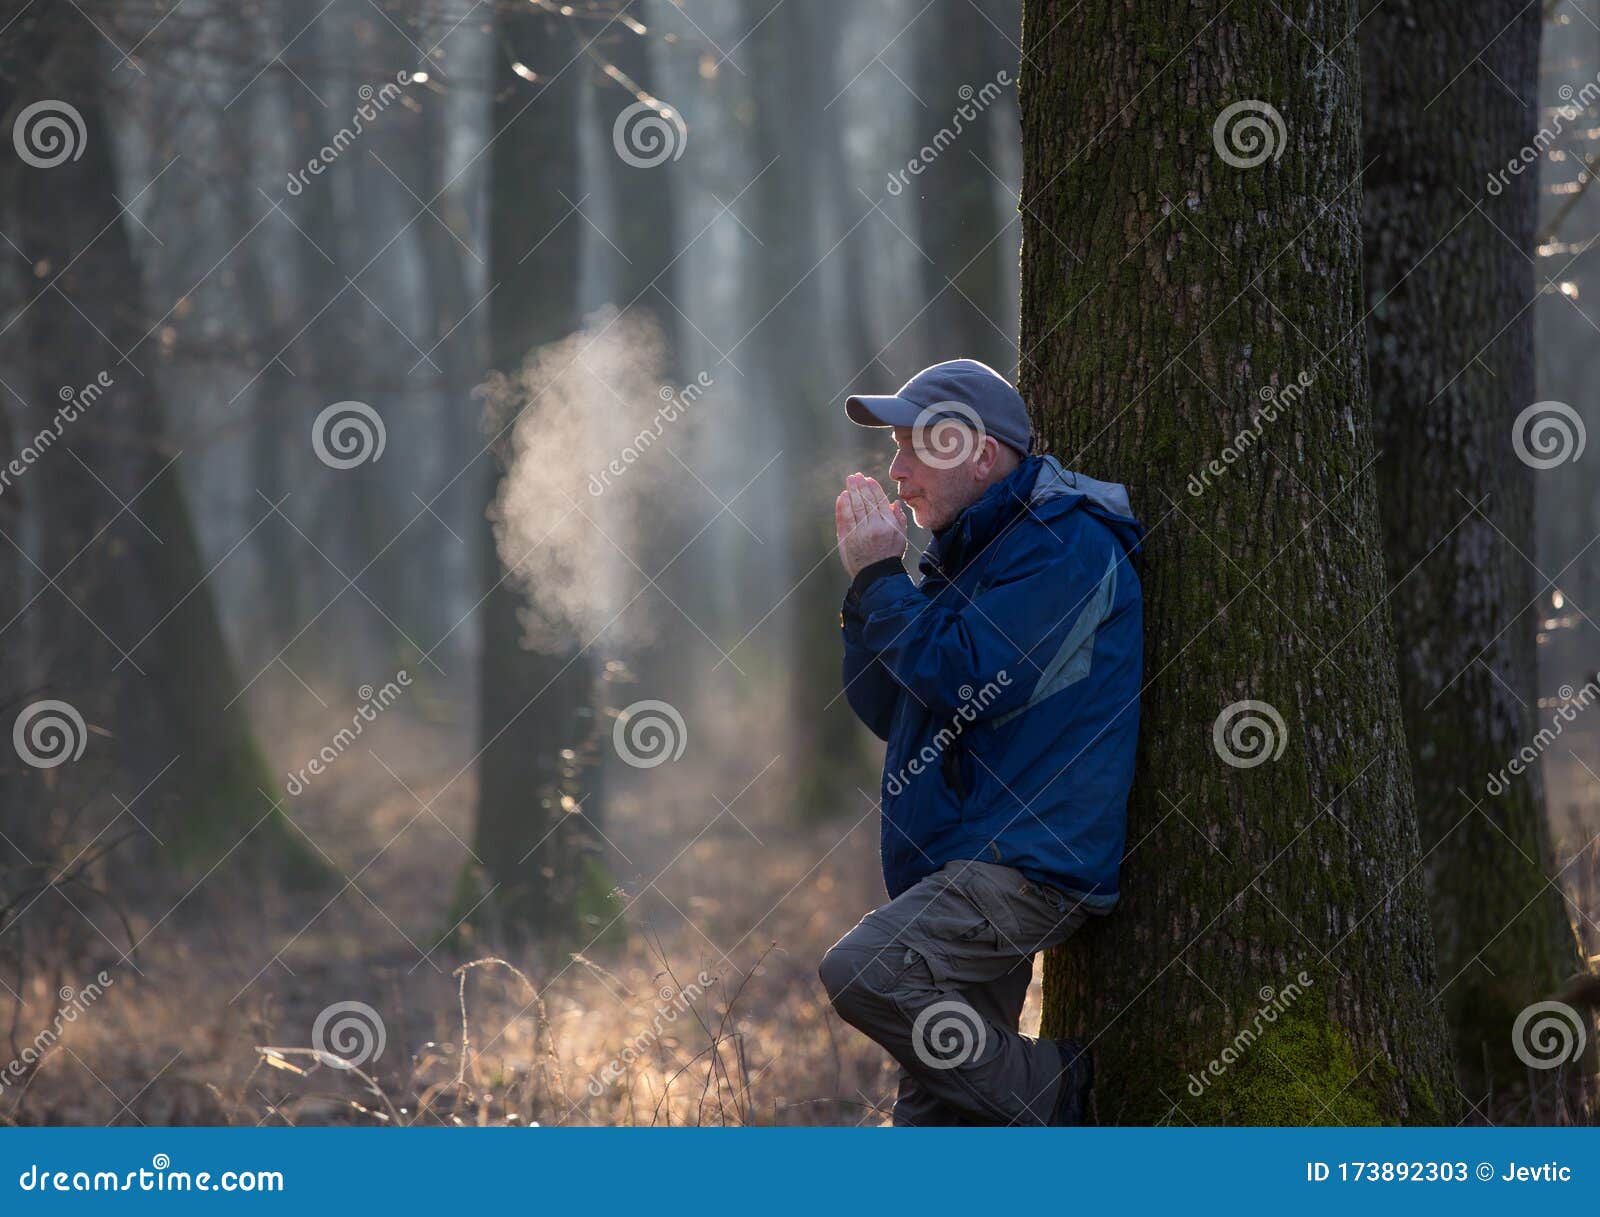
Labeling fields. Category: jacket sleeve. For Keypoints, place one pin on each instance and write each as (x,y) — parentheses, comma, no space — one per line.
(1045,595)
(869,688)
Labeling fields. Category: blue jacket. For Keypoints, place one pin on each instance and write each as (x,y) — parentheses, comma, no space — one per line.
(1007,684)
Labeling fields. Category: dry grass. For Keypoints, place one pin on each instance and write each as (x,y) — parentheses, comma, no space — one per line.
(210,1020)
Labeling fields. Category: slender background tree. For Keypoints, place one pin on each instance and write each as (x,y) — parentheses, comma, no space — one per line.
(536,704)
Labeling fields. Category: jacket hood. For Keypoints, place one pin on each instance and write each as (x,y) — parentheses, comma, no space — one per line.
(1054,481)
(1106,501)
(1039,484)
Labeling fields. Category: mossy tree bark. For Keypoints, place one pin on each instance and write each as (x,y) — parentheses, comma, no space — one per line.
(536,709)
(1167,293)
(1449,289)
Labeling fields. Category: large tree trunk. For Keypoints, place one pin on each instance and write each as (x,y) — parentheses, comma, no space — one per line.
(128,631)
(1450,348)
(533,706)
(1165,288)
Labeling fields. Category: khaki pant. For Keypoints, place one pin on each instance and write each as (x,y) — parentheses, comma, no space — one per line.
(938,976)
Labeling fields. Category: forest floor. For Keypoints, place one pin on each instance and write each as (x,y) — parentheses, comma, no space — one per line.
(709,1011)
(706,1010)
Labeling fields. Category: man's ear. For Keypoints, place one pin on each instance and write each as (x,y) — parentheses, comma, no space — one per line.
(985,456)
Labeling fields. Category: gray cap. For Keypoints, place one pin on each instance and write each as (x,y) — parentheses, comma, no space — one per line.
(957,388)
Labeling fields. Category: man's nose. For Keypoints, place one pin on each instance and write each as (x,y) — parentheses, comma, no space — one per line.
(899,468)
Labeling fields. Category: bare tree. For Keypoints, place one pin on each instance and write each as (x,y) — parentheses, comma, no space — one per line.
(124,626)
(1449,277)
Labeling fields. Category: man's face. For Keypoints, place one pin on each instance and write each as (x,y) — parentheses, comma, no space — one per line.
(935,490)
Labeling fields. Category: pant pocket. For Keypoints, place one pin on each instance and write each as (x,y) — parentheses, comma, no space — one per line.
(1028,917)
(952,933)
(986,891)
(1059,916)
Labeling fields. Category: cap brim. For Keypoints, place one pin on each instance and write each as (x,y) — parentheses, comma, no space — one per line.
(882,410)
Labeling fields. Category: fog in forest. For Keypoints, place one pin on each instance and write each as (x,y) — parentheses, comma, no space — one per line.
(439,565)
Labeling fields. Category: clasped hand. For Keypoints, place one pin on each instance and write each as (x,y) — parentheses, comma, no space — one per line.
(870,527)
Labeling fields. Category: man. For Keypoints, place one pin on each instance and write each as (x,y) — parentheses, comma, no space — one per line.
(1006,684)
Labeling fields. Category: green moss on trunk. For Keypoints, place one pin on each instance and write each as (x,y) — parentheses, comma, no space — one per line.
(1303,1070)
